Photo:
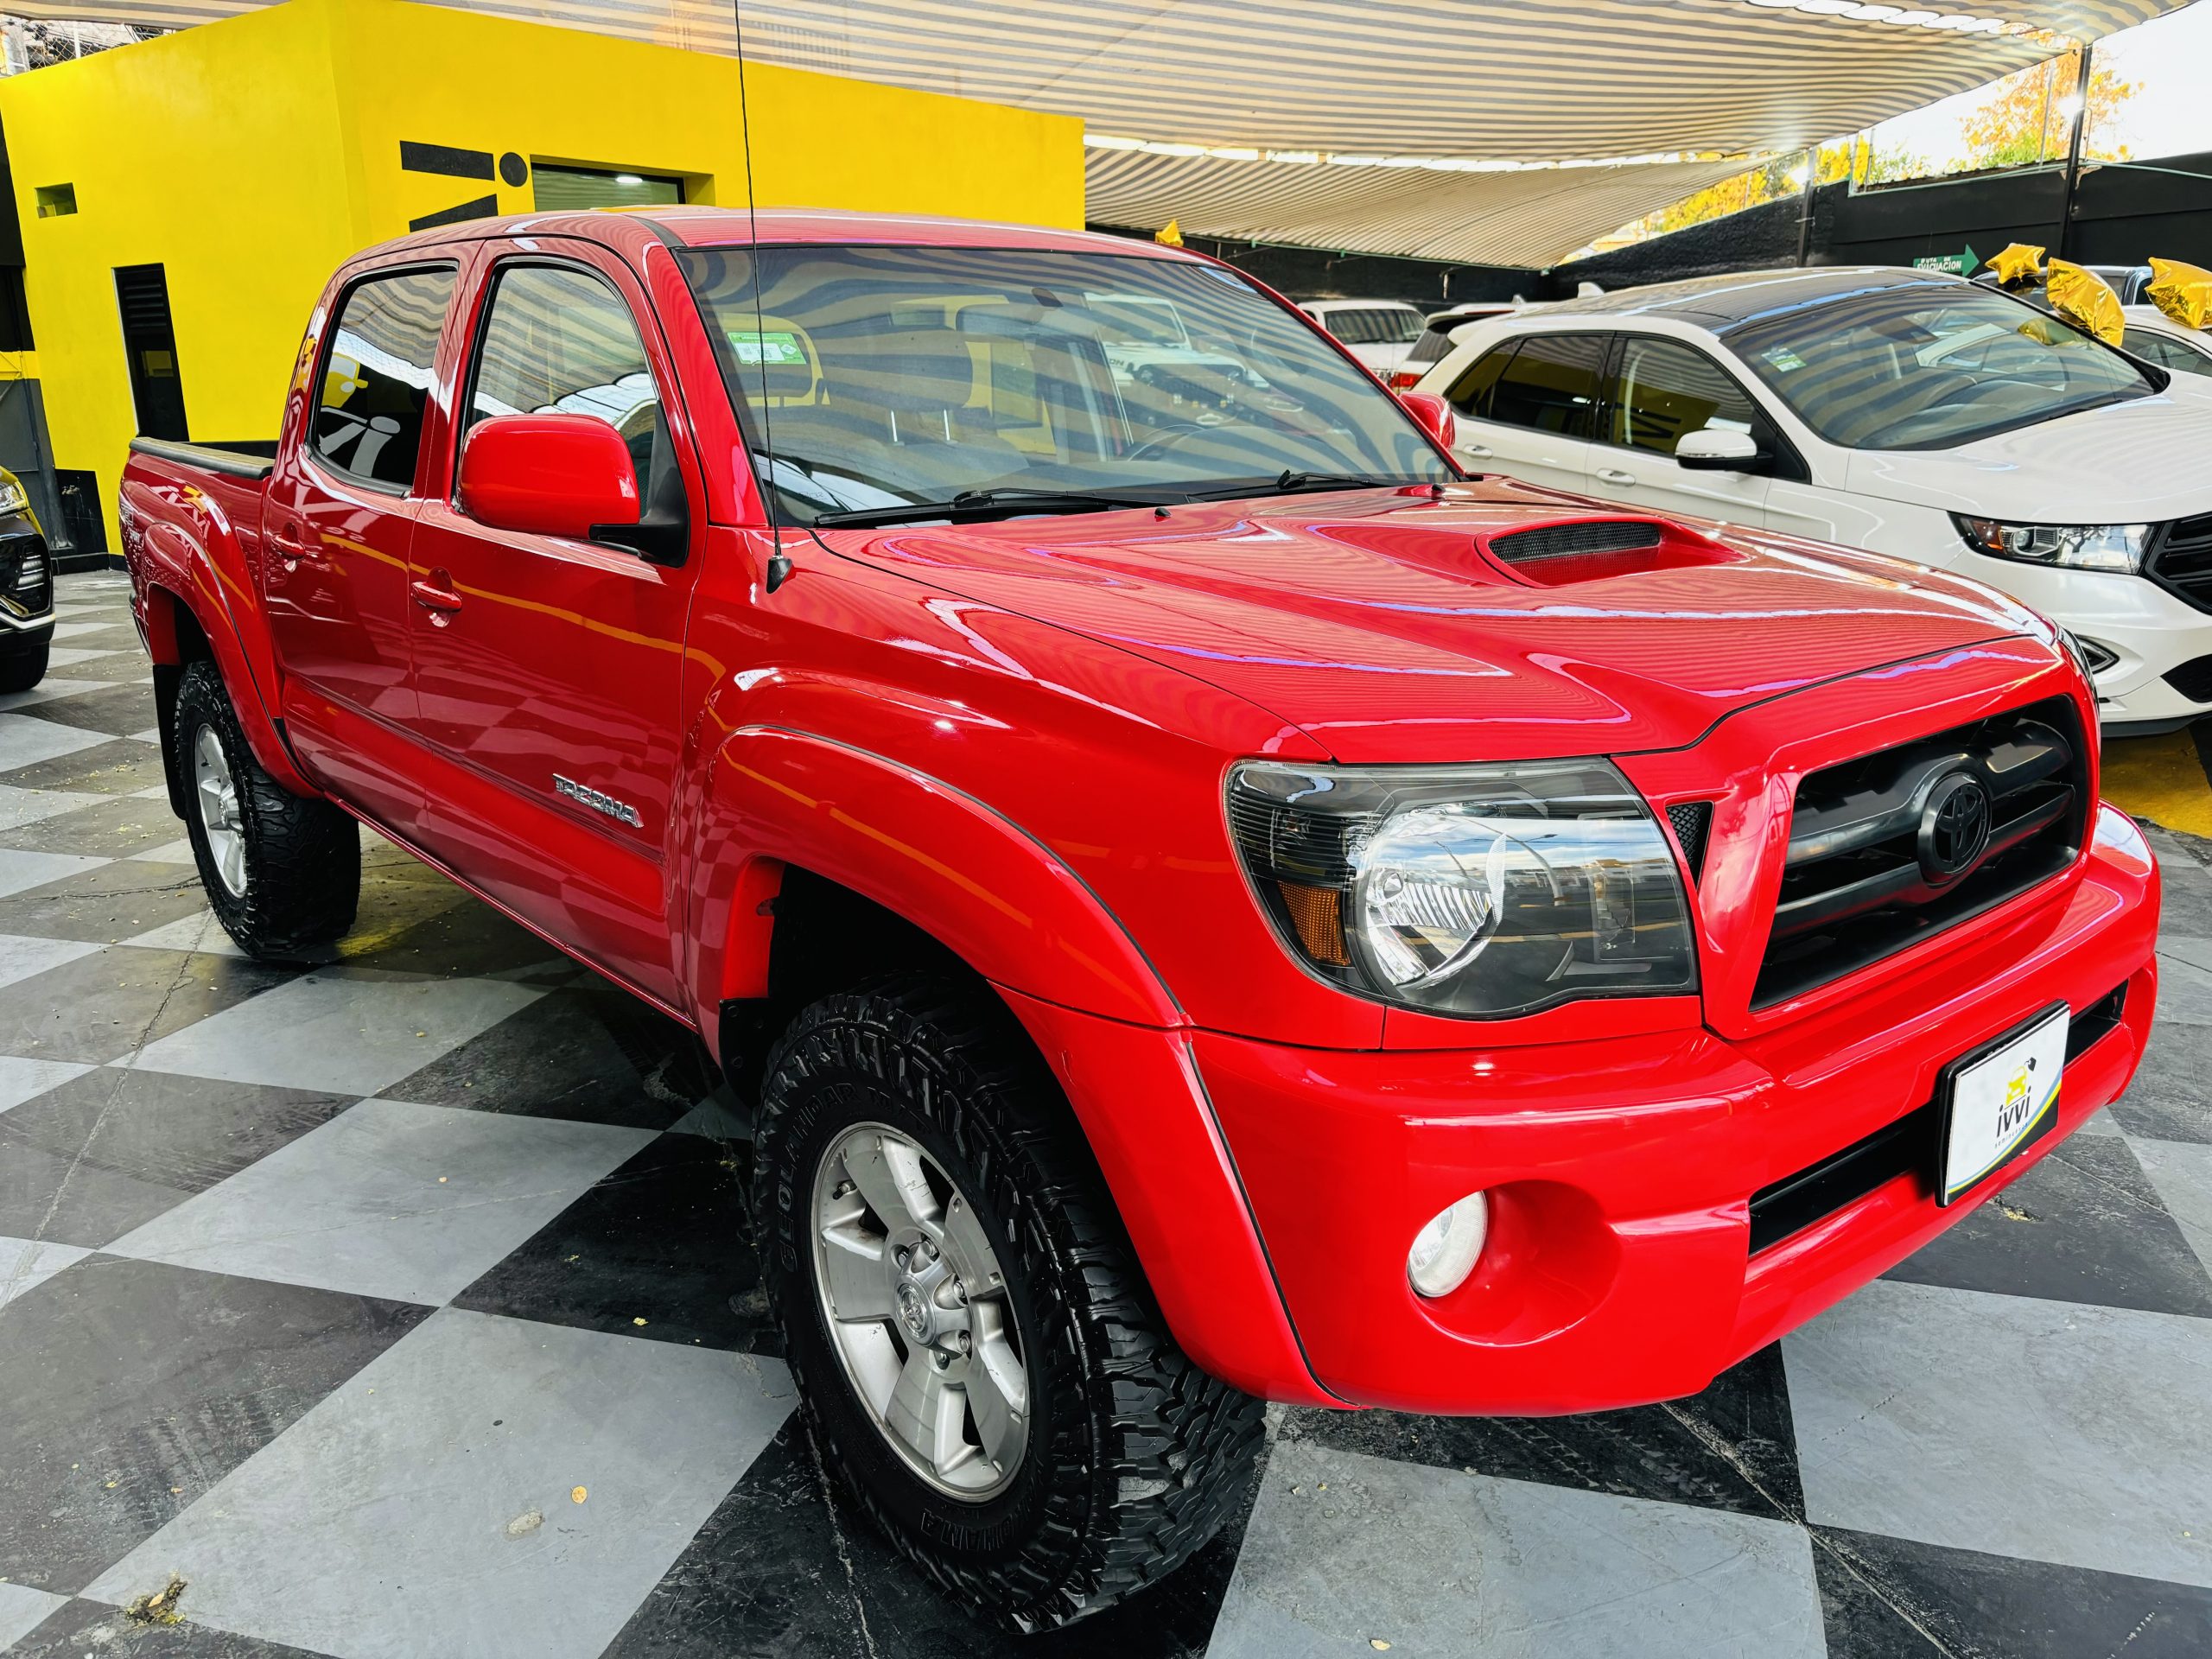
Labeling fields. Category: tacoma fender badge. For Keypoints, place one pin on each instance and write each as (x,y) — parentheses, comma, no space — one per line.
(585,795)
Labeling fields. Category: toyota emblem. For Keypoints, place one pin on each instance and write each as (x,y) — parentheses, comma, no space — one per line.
(1953,827)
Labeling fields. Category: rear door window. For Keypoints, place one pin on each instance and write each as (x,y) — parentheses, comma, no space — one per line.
(375,377)
(1662,390)
(1552,384)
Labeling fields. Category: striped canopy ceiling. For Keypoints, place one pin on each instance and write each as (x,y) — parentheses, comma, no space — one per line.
(1362,90)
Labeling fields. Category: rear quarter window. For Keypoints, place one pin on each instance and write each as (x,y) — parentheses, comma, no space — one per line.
(1471,392)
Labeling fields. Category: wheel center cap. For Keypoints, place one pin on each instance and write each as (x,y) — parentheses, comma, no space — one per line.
(914,1311)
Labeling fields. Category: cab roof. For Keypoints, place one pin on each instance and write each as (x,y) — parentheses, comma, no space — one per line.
(714,227)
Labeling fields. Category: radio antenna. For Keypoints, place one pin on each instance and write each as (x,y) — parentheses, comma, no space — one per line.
(779,564)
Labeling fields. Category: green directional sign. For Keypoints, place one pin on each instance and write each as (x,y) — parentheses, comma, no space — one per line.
(1961,262)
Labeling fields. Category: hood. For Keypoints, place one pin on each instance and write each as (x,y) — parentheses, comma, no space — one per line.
(2136,462)
(1376,621)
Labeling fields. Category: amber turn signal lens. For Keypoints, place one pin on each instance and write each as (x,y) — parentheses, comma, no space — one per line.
(1317,913)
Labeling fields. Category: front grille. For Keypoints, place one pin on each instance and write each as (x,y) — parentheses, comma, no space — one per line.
(1881,850)
(2193,679)
(1567,541)
(1785,1208)
(26,575)
(1692,821)
(2181,560)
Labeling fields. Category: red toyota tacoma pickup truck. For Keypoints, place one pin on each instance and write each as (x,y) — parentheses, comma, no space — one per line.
(1207,903)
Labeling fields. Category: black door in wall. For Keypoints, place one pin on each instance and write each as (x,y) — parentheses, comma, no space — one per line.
(150,342)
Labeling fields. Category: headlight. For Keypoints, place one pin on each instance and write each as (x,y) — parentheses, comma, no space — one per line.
(2079,547)
(13,497)
(1467,890)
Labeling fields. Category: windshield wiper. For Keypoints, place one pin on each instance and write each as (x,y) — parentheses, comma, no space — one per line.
(1291,482)
(971,505)
(1292,479)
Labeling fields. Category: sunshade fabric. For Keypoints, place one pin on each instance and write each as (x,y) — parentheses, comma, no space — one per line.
(1490,80)
(1522,218)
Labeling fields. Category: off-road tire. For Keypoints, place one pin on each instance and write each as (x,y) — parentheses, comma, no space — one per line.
(303,856)
(21,669)
(1136,1457)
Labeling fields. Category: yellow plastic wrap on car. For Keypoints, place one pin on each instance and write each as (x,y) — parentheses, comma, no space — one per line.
(2017,263)
(2183,291)
(2085,299)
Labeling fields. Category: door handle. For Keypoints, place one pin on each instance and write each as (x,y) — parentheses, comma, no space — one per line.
(434,596)
(1479,451)
(1615,475)
(284,541)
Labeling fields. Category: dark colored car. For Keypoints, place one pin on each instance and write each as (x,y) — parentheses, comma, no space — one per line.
(26,590)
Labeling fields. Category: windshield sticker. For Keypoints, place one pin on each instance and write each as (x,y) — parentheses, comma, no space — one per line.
(774,349)
(1783,357)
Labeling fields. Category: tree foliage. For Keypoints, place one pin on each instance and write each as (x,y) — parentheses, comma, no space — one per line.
(1783,176)
(2029,116)
(2025,118)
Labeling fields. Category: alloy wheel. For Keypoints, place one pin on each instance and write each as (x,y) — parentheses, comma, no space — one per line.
(917,1306)
(217,792)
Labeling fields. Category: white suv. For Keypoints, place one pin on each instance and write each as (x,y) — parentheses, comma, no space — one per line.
(1907,412)
(1379,333)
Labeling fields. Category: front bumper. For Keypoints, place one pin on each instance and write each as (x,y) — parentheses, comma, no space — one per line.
(1622,1170)
(2150,631)
(25,594)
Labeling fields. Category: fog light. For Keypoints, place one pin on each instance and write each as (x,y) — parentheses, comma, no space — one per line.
(1446,1250)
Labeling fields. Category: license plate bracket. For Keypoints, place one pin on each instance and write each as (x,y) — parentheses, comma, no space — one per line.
(1996,1100)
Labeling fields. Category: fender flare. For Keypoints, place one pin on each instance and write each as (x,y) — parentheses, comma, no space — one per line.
(175,572)
(985,889)
(1081,986)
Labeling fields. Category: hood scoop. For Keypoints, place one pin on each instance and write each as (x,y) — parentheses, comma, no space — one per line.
(1590,549)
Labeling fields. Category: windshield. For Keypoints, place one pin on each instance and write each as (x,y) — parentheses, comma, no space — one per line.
(886,378)
(1929,366)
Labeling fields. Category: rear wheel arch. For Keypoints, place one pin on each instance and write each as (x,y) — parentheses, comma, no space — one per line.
(173,634)
(184,623)
(175,640)
(281,871)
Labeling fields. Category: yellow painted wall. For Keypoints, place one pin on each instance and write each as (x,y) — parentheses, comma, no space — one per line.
(249,157)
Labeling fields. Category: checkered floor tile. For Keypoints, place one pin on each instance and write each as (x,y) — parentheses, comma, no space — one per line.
(399,1305)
